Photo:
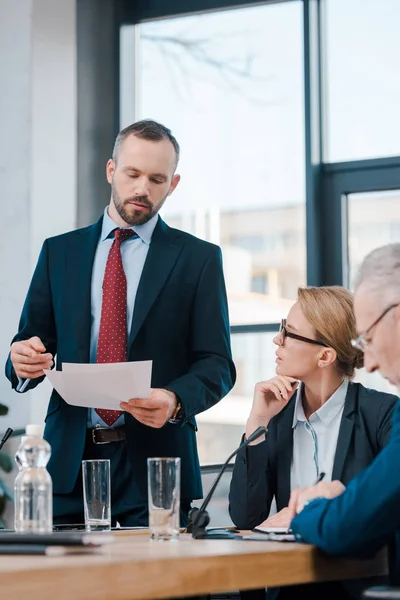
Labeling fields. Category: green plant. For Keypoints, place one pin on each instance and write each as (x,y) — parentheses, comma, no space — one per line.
(6,464)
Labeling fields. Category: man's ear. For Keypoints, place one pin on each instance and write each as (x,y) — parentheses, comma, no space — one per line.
(327,357)
(110,168)
(175,180)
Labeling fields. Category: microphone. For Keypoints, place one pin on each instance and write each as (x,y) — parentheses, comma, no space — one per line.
(5,437)
(199,517)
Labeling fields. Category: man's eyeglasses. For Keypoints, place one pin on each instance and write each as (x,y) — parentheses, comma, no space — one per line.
(361,343)
(284,333)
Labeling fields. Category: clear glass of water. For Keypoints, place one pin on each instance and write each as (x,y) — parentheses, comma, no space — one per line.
(97,494)
(164,486)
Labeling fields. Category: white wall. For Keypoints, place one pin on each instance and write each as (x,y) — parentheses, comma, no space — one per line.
(15,179)
(54,120)
(38,124)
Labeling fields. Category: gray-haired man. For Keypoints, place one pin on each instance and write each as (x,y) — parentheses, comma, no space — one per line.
(365,516)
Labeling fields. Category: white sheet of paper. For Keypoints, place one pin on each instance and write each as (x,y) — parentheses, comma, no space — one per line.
(272,529)
(102,385)
(94,367)
(57,381)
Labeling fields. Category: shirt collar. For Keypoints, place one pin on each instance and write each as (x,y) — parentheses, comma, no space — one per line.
(328,410)
(144,231)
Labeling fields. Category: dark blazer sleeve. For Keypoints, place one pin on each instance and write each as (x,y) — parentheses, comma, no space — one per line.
(37,318)
(252,485)
(212,373)
(364,518)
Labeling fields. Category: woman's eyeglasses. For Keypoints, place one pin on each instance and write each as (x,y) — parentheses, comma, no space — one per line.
(284,333)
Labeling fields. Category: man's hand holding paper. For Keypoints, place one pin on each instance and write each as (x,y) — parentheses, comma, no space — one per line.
(154,411)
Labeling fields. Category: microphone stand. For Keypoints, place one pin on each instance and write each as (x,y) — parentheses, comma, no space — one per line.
(199,517)
(5,437)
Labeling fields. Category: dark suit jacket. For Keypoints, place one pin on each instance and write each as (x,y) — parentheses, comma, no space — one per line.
(262,472)
(180,322)
(366,517)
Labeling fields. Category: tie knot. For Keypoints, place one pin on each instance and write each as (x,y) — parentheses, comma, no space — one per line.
(123,234)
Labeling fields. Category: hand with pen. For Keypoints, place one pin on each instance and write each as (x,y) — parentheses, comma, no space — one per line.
(301,497)
(29,358)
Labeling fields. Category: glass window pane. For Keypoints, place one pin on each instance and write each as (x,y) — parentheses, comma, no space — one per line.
(363,79)
(373,220)
(230,86)
(222,426)
(218,508)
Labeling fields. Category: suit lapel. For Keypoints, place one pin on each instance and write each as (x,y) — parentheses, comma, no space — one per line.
(285,452)
(80,256)
(345,432)
(165,247)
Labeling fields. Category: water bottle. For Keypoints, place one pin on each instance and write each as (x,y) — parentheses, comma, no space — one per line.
(33,488)
(16,457)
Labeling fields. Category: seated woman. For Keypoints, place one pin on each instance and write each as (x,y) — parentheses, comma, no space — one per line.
(318,420)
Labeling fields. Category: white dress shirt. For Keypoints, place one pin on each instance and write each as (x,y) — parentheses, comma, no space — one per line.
(315,440)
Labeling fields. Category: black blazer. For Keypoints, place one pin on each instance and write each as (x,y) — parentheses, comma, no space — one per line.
(262,472)
(180,321)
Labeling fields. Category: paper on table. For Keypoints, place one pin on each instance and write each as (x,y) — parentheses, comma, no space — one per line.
(100,385)
(273,529)
(269,537)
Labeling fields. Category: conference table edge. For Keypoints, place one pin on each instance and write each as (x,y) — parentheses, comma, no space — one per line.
(199,571)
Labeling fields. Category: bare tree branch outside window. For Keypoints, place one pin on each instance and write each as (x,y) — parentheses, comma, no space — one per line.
(189,57)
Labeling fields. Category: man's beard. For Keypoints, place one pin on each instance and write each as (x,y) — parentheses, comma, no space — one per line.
(134,217)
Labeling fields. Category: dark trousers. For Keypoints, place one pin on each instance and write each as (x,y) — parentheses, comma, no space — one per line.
(68,508)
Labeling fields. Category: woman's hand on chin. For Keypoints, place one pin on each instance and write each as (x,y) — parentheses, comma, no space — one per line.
(272,395)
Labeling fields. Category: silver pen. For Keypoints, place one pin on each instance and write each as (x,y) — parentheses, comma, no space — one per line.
(22,385)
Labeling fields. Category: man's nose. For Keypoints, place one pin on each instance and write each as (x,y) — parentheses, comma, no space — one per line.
(142,186)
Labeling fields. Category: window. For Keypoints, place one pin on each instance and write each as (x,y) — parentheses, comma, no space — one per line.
(373,220)
(222,426)
(363,79)
(259,283)
(230,86)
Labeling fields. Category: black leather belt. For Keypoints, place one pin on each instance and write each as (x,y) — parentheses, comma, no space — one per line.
(105,435)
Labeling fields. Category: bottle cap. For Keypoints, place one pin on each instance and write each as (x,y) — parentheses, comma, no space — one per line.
(34,430)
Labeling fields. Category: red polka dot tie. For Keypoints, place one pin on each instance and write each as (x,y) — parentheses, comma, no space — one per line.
(112,344)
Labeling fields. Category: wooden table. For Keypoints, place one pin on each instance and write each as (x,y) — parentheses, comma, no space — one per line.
(136,568)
